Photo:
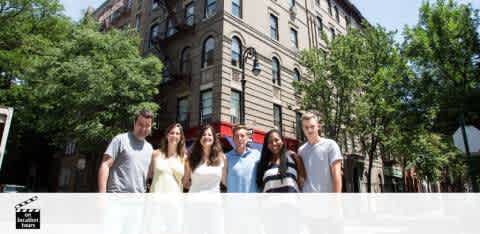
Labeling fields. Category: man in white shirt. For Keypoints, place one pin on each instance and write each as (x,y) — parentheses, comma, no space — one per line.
(322,159)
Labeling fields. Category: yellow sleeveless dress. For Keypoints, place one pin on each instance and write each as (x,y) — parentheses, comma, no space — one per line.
(167,174)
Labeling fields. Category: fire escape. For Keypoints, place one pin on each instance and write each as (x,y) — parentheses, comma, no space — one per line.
(178,22)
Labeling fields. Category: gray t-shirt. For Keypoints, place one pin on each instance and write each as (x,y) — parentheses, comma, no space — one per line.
(131,159)
(317,159)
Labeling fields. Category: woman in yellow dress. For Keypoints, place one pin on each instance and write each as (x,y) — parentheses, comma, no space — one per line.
(167,163)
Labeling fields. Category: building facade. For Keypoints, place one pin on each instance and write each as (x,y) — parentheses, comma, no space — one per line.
(201,45)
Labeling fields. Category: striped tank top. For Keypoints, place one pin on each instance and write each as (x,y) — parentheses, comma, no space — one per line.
(273,182)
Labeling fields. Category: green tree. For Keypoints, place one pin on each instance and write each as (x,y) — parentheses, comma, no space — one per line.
(358,84)
(89,86)
(331,91)
(29,29)
(444,51)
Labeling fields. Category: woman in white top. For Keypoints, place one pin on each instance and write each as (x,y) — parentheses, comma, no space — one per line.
(205,167)
(167,164)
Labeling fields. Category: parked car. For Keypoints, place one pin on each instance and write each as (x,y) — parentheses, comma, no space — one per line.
(13,188)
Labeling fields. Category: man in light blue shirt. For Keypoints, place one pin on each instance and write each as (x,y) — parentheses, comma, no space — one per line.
(242,163)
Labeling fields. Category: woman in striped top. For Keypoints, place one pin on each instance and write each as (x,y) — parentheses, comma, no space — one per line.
(279,170)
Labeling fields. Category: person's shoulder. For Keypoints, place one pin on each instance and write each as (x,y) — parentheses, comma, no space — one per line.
(330,142)
(230,153)
(157,153)
(302,147)
(121,136)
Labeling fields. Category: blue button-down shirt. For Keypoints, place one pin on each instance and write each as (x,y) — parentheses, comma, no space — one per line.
(242,169)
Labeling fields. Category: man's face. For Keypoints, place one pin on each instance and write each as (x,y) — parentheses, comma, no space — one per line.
(240,138)
(310,128)
(142,127)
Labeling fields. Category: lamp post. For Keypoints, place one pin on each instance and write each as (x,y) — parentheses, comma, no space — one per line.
(250,52)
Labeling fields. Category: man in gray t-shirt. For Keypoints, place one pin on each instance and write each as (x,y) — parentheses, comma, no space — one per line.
(322,159)
(126,161)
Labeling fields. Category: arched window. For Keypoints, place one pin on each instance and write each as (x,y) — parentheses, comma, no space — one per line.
(185,61)
(236,51)
(154,33)
(276,71)
(208,52)
(296,75)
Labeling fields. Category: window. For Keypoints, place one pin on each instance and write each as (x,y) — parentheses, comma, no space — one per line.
(235,106)
(319,26)
(347,22)
(190,14)
(329,2)
(154,33)
(296,75)
(337,17)
(155,4)
(182,111)
(236,51)
(237,8)
(277,117)
(206,106)
(185,61)
(137,23)
(208,52)
(273,27)
(298,127)
(275,71)
(294,37)
(210,8)
(291,3)
(170,28)
(332,32)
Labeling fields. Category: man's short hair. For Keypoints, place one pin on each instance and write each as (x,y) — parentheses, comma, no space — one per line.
(239,127)
(145,114)
(310,115)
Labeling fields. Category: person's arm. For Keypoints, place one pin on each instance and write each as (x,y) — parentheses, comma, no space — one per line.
(224,171)
(109,157)
(186,175)
(103,171)
(336,170)
(302,175)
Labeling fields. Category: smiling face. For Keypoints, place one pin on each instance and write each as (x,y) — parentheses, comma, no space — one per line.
(174,136)
(207,138)
(142,127)
(240,139)
(311,128)
(275,143)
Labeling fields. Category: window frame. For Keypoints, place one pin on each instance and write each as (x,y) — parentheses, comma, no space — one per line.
(185,60)
(274,28)
(294,37)
(204,61)
(239,54)
(184,122)
(239,7)
(276,77)
(210,8)
(235,118)
(203,120)
(278,108)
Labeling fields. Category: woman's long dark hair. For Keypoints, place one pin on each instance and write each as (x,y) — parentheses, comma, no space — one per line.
(181,144)
(267,156)
(195,156)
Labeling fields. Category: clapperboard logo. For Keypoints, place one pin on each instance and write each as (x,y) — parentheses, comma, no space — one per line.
(27,218)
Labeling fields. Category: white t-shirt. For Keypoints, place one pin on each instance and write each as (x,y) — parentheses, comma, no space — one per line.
(317,159)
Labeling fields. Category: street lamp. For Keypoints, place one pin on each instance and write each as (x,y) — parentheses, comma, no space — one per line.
(250,52)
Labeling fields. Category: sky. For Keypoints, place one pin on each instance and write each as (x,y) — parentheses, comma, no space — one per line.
(392,14)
